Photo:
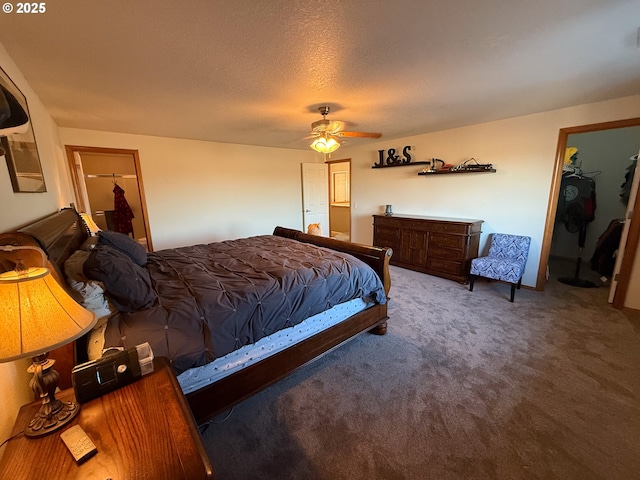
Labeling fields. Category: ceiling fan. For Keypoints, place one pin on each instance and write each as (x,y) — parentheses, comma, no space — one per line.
(325,132)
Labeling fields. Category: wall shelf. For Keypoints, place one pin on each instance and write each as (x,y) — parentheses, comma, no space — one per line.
(448,172)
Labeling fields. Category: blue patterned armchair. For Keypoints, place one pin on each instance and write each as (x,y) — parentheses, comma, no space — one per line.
(506,261)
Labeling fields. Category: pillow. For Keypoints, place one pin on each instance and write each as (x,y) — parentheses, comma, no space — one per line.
(88,293)
(89,244)
(127,283)
(125,244)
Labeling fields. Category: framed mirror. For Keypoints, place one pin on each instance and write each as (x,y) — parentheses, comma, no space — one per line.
(18,140)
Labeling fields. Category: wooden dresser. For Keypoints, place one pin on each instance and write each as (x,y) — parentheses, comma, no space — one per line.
(434,245)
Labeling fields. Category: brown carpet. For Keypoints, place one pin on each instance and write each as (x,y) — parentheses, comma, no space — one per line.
(465,385)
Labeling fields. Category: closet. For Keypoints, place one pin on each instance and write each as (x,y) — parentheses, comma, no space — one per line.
(602,161)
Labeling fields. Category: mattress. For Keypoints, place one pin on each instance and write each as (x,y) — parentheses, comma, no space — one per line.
(198,377)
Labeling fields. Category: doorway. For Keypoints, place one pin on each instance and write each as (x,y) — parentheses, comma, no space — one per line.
(629,247)
(340,199)
(95,173)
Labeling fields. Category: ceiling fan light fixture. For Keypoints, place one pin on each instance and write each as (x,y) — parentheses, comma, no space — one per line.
(325,145)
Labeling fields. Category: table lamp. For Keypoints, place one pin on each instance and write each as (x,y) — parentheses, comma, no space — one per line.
(36,316)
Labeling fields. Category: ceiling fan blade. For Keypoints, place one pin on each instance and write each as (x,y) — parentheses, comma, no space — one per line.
(358,134)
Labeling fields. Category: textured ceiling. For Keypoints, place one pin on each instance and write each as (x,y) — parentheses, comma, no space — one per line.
(254,72)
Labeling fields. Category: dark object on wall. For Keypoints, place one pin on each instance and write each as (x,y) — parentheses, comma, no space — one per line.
(17,140)
(12,115)
(604,256)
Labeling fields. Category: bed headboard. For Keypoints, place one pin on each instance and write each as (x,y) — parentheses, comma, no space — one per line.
(58,235)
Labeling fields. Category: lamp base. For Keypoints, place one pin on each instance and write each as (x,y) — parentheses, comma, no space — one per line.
(53,413)
(44,423)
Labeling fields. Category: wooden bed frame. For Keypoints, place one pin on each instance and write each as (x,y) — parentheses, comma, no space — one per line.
(61,233)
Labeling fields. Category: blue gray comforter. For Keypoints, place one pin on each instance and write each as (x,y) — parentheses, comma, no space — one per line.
(215,298)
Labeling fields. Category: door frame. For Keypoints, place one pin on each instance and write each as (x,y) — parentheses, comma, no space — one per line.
(329,163)
(634,230)
(71,150)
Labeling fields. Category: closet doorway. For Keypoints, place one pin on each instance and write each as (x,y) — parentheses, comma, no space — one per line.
(340,199)
(95,173)
(554,230)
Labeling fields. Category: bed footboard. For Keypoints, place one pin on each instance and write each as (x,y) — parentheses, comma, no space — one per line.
(376,257)
(221,395)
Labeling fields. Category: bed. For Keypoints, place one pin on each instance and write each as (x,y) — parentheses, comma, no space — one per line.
(63,235)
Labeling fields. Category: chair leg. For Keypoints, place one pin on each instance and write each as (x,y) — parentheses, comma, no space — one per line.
(472,278)
(513,291)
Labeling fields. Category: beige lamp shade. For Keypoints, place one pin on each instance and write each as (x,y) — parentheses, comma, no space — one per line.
(37,315)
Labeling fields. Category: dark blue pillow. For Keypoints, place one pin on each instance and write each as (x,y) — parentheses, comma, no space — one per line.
(127,284)
(125,244)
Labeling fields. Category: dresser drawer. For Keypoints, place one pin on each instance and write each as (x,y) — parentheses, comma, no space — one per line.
(387,237)
(449,241)
(448,228)
(455,255)
(444,266)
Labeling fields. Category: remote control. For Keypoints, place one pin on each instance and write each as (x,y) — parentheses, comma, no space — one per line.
(78,443)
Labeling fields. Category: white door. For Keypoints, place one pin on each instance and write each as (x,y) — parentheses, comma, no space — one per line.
(315,196)
(625,233)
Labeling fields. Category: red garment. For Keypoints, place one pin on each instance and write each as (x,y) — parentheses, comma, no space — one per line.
(122,214)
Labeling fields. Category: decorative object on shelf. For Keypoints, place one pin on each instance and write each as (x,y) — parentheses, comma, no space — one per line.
(388,211)
(39,316)
(393,160)
(465,167)
(472,165)
(17,140)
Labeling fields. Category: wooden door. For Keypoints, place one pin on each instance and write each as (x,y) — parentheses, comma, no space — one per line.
(631,206)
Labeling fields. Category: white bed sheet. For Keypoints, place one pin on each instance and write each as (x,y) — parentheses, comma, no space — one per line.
(198,377)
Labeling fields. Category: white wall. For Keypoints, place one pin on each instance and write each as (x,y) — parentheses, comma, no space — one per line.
(514,199)
(203,192)
(16,209)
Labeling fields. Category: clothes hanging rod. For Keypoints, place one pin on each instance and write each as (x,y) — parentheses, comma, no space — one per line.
(108,175)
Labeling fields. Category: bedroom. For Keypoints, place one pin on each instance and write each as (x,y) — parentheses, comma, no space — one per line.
(185,187)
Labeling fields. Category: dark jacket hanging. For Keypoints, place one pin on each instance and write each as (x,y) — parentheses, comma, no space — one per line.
(122,212)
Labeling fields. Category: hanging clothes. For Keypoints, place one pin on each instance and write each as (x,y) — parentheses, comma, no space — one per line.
(604,256)
(577,204)
(625,188)
(122,212)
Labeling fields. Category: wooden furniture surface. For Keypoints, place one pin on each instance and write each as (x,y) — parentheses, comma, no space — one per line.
(144,430)
(63,231)
(435,245)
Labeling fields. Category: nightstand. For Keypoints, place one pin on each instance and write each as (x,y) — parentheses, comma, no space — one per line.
(144,430)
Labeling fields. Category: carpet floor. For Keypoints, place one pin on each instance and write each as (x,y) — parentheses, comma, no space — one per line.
(465,385)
